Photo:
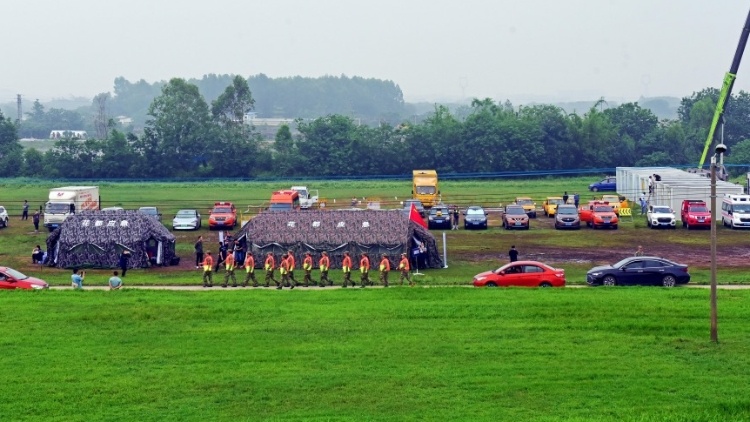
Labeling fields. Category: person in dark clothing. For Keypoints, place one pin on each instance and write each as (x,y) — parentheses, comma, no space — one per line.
(198,252)
(513,254)
(124,261)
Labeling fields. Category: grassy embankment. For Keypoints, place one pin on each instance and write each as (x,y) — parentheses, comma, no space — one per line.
(468,252)
(621,354)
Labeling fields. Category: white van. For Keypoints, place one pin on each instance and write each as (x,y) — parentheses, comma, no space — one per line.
(735,211)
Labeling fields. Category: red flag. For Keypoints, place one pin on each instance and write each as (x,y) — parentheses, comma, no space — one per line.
(415,217)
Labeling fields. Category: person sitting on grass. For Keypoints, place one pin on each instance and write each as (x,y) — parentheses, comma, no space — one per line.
(115,282)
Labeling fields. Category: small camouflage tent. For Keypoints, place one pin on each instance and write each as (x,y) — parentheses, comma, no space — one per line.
(355,231)
(95,239)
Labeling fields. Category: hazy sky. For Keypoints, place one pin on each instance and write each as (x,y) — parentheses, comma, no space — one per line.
(434,49)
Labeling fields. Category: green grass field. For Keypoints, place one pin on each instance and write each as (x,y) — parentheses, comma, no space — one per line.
(620,354)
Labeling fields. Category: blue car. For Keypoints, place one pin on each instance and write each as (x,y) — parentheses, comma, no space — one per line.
(608,183)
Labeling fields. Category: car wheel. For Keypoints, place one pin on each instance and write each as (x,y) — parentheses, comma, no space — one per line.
(490,284)
(545,284)
(594,189)
(669,281)
(609,281)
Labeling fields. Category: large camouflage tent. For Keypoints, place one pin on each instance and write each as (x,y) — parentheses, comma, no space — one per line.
(95,239)
(355,231)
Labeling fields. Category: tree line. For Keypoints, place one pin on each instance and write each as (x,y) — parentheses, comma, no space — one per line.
(185,136)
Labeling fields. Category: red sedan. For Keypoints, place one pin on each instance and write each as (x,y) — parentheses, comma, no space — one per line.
(523,274)
(12,279)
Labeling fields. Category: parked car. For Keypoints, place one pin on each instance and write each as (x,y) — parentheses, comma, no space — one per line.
(645,270)
(566,217)
(598,214)
(417,204)
(186,220)
(609,183)
(523,274)
(439,218)
(660,216)
(694,214)
(515,218)
(223,215)
(12,279)
(152,211)
(550,205)
(475,217)
(4,217)
(528,204)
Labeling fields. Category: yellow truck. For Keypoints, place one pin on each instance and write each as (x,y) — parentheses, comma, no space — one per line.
(425,187)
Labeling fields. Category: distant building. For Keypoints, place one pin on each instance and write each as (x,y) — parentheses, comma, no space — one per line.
(74,134)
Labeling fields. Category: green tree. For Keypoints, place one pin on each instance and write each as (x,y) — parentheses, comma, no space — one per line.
(179,132)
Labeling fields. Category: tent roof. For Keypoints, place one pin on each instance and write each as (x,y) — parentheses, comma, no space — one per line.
(391,227)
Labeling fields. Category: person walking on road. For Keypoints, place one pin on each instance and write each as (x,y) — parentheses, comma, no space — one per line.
(403,266)
(229,270)
(198,252)
(324,264)
(124,261)
(250,270)
(513,254)
(25,212)
(385,268)
(364,270)
(270,265)
(208,266)
(346,268)
(307,265)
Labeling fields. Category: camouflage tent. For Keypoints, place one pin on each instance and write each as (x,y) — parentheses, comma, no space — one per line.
(372,231)
(95,239)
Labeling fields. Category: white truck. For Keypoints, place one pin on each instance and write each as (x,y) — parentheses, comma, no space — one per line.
(68,200)
(306,198)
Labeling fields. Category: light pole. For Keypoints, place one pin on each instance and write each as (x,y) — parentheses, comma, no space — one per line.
(714,317)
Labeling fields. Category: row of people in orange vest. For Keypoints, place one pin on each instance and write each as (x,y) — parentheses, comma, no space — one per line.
(287,265)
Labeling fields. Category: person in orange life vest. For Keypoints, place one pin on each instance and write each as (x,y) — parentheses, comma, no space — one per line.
(346,267)
(250,270)
(208,265)
(270,266)
(229,266)
(324,264)
(385,268)
(403,266)
(307,265)
(364,270)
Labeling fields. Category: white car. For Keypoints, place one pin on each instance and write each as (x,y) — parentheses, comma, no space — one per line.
(3,217)
(660,216)
(186,220)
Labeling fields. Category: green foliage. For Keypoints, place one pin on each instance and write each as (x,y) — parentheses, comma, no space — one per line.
(621,354)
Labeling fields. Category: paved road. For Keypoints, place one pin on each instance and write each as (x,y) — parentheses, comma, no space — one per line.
(201,288)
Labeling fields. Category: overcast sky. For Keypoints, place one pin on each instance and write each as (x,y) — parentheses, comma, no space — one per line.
(434,49)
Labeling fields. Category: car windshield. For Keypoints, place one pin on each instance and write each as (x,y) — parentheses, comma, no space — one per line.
(524,202)
(567,210)
(662,210)
(185,214)
(602,208)
(425,190)
(56,208)
(280,207)
(222,210)
(16,274)
(515,210)
(741,208)
(474,212)
(699,209)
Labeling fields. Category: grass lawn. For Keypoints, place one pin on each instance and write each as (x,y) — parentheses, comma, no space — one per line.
(620,354)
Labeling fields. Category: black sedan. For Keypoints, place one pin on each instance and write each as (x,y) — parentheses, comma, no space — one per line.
(475,217)
(439,218)
(645,270)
